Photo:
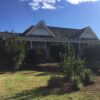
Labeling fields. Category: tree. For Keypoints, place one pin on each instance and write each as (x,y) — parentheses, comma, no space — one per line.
(15,51)
(2,54)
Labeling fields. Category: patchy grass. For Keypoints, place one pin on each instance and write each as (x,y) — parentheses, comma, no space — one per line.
(32,85)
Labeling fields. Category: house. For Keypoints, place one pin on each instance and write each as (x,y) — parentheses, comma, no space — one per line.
(44,36)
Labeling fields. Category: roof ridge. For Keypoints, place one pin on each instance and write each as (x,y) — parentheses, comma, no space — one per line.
(62,28)
(31,26)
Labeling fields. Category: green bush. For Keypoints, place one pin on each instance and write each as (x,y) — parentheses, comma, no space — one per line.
(74,69)
(71,64)
(86,77)
(55,81)
(75,83)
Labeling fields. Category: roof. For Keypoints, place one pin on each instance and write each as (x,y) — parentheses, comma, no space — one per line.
(57,32)
(6,34)
(61,32)
(28,29)
(78,33)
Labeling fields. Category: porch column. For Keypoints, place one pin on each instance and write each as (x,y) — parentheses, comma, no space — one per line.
(31,45)
(47,49)
(45,45)
(79,47)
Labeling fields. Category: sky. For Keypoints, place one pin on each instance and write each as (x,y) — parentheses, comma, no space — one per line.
(18,15)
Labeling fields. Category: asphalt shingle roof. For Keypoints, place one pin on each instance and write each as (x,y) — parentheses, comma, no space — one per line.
(62,32)
(57,31)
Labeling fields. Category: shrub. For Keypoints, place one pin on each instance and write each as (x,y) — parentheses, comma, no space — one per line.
(86,77)
(75,83)
(55,81)
(71,64)
(74,70)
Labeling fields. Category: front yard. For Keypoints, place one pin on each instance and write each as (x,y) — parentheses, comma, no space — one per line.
(31,85)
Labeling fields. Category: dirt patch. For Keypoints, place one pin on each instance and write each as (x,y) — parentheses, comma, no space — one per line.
(94,87)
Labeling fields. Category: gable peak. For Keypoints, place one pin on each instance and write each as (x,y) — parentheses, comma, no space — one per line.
(41,23)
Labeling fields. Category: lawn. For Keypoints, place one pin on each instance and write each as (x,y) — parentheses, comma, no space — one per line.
(31,85)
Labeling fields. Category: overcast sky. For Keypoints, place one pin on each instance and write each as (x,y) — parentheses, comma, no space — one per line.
(18,15)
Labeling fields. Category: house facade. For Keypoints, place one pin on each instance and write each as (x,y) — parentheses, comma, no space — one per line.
(44,36)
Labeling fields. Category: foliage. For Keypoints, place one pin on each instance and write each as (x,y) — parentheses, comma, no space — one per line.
(71,64)
(15,51)
(55,81)
(2,45)
(74,69)
(2,54)
(35,56)
(75,82)
(55,52)
(86,77)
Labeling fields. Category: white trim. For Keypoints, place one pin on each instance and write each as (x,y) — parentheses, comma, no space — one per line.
(86,30)
(36,26)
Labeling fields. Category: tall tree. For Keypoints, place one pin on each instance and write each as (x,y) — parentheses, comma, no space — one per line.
(15,51)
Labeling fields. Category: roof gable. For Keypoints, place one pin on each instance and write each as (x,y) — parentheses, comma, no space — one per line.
(39,30)
(88,34)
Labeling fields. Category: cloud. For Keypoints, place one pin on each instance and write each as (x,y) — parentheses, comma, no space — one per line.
(53,4)
(24,0)
(48,6)
(43,4)
(75,2)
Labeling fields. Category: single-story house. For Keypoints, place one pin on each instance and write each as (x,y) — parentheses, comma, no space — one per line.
(43,36)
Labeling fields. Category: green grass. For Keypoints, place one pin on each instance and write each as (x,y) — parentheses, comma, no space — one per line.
(31,85)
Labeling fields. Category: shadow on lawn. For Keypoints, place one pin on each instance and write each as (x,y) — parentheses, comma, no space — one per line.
(43,74)
(38,92)
(2,72)
(40,68)
(45,68)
